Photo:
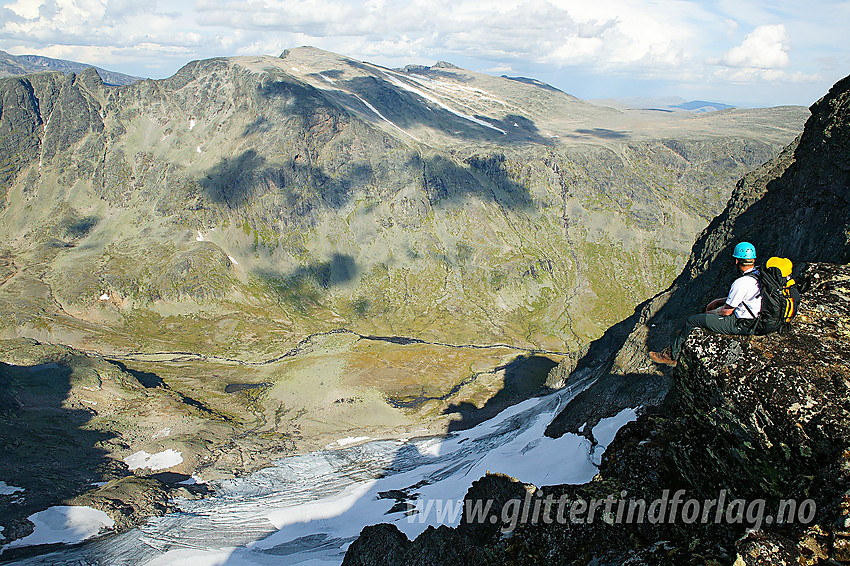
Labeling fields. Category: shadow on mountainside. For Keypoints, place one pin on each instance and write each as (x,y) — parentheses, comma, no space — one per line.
(517,125)
(230,181)
(487,177)
(307,285)
(299,190)
(79,228)
(259,126)
(298,187)
(45,446)
(309,100)
(602,133)
(406,110)
(524,377)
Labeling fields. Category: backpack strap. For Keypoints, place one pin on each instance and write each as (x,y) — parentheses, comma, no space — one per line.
(755,275)
(753,321)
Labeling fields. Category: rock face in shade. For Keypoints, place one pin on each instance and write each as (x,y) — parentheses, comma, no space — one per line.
(751,418)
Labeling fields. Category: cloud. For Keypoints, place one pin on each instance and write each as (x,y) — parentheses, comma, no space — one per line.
(763,56)
(765,48)
(9,16)
(604,35)
(545,32)
(121,20)
(99,32)
(48,9)
(751,75)
(679,42)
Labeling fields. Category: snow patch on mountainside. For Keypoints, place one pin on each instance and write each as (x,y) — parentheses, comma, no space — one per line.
(6,489)
(63,524)
(159,461)
(382,117)
(439,103)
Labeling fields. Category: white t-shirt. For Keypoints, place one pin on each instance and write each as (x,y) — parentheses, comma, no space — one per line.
(745,290)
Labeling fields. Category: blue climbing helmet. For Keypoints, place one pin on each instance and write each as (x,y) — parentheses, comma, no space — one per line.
(744,250)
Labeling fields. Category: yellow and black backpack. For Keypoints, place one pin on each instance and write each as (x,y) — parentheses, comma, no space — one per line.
(780,297)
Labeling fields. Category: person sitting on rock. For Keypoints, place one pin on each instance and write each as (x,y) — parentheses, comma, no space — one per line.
(733,315)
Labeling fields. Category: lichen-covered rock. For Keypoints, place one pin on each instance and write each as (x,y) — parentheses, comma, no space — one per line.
(762,549)
(814,546)
(775,407)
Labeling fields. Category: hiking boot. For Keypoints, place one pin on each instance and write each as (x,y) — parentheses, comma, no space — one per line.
(663,358)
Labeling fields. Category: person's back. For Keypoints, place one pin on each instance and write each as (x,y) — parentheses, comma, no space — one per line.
(745,295)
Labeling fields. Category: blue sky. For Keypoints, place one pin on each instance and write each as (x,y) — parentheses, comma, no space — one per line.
(746,53)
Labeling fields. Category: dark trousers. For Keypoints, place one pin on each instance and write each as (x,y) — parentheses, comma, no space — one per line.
(714,322)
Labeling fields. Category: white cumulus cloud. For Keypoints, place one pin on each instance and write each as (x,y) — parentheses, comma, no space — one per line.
(763,56)
(95,31)
(610,33)
(765,48)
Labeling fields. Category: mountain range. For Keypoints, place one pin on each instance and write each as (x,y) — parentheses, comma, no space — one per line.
(307,182)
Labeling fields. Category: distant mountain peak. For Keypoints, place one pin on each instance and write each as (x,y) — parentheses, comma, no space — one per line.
(663,104)
(413,68)
(13,65)
(703,106)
